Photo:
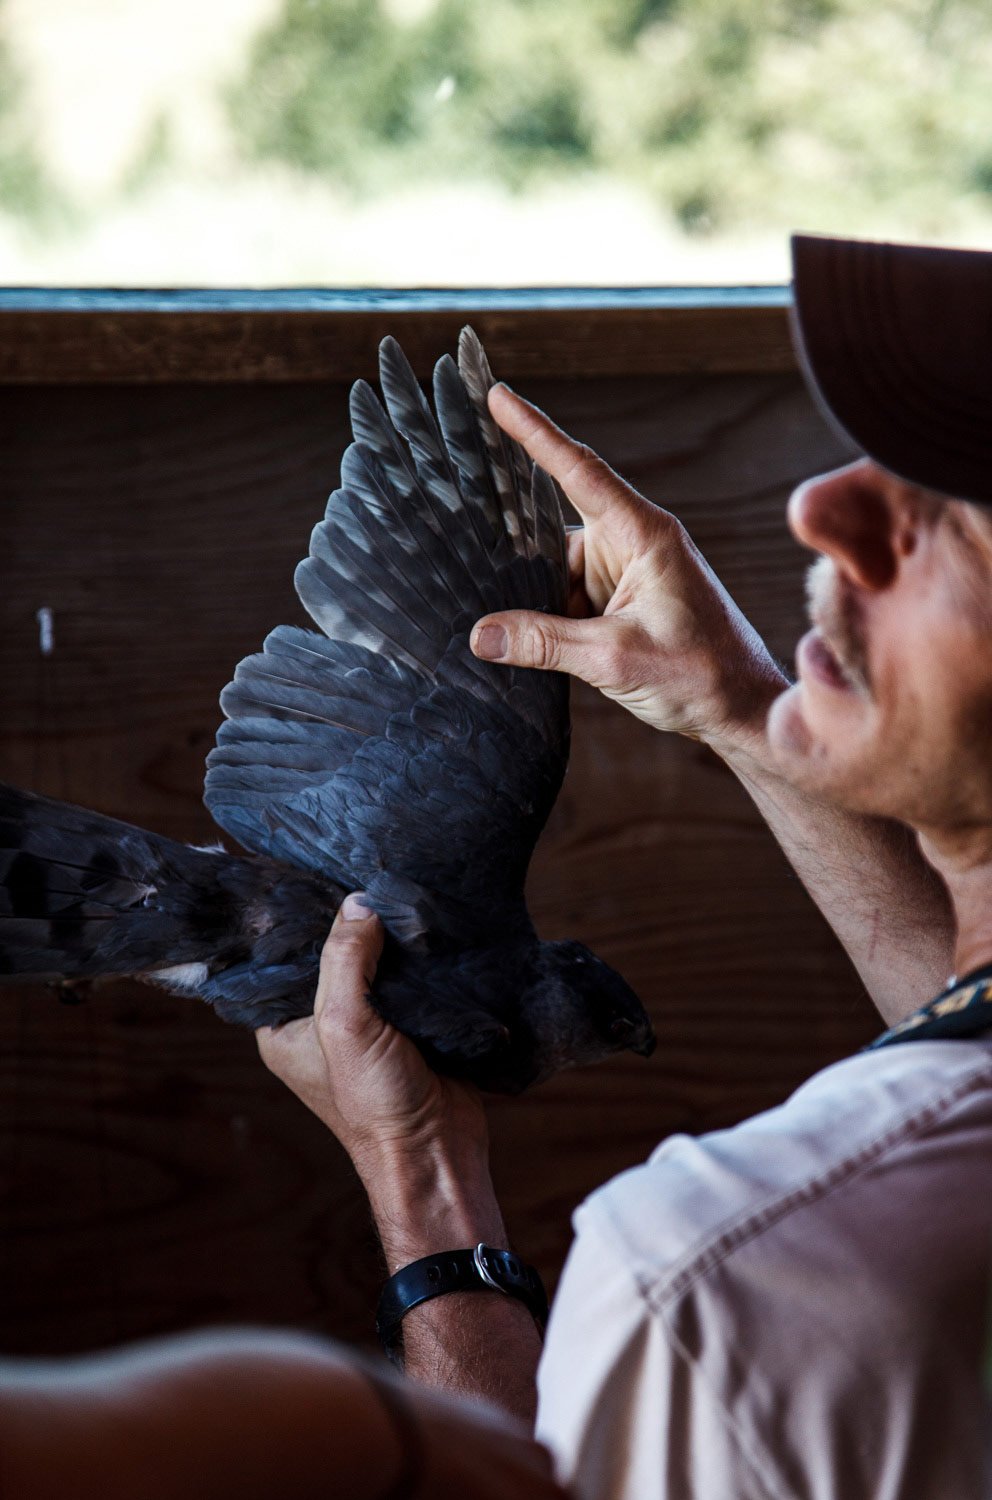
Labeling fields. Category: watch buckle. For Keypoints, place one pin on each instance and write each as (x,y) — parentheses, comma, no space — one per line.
(483,1270)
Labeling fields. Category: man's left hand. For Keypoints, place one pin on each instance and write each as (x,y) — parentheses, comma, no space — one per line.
(418,1141)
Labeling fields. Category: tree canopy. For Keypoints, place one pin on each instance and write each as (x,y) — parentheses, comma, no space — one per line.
(727,111)
(733,116)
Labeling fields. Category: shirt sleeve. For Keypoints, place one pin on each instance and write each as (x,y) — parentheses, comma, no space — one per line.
(788,1307)
(626,1414)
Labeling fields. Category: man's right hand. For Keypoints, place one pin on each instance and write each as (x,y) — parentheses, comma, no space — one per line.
(651,626)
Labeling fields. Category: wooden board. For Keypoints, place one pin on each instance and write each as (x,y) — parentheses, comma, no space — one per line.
(50,337)
(155,1177)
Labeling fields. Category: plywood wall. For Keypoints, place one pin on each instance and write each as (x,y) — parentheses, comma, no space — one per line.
(154,1176)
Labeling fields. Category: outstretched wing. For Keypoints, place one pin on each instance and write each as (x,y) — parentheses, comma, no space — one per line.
(381,753)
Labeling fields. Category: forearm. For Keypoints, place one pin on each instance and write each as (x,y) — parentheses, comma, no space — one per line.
(230,1414)
(420,1145)
(475,1344)
(886,905)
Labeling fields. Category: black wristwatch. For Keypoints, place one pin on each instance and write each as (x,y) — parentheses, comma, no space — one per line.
(484,1269)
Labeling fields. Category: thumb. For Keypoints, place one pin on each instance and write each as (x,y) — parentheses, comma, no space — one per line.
(527,638)
(347,967)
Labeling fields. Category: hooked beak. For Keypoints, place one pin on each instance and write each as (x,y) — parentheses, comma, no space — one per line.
(634,1037)
(647,1046)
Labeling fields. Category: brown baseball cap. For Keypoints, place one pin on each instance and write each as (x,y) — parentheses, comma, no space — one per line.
(896,344)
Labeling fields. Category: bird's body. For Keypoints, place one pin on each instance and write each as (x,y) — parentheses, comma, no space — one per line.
(379,755)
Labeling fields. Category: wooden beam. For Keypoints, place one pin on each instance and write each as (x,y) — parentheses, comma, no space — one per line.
(105,337)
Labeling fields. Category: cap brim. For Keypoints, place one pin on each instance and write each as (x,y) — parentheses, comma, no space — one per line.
(896,344)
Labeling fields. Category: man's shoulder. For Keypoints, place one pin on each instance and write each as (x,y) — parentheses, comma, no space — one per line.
(834,1150)
(797,1302)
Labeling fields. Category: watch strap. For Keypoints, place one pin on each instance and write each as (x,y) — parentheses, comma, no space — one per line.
(483,1269)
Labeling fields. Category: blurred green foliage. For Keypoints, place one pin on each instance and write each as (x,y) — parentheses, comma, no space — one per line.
(152,158)
(24,188)
(733,113)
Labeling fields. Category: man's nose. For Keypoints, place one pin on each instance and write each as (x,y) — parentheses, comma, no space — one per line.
(847,516)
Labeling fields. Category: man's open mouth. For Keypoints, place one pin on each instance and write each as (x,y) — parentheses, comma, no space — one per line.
(816,658)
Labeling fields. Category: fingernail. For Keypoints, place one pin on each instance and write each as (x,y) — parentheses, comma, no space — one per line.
(490,642)
(354,910)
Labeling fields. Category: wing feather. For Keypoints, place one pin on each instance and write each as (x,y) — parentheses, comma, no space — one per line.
(381,752)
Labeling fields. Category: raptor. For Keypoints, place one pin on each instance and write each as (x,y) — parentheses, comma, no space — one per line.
(375,753)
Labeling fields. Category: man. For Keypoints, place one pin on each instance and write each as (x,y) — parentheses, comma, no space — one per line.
(792,1308)
(795,1307)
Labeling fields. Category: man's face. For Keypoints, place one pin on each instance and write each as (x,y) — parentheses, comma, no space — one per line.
(892,710)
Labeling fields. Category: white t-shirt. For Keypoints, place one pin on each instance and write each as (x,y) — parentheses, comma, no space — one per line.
(795,1309)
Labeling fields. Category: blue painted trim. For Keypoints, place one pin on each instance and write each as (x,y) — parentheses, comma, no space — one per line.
(383,299)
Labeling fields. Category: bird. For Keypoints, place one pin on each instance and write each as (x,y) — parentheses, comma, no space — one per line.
(374,753)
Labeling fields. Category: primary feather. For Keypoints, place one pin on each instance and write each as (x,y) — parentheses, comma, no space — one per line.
(380,755)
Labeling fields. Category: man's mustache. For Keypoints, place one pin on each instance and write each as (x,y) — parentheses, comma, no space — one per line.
(834,613)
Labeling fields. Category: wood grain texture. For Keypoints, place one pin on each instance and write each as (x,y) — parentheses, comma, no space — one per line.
(284,341)
(155,1177)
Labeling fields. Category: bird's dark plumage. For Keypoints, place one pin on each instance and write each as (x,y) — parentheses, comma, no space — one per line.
(378,755)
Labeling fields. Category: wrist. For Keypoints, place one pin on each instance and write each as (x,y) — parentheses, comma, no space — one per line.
(741,740)
(437,1200)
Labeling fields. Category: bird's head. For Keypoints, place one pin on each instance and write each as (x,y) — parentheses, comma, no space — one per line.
(507,1017)
(581,1010)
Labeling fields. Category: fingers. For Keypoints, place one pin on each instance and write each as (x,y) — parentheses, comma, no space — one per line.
(551,643)
(286,1033)
(579,604)
(280,1047)
(587,479)
(348,964)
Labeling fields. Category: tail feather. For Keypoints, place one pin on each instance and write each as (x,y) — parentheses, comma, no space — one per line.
(82,894)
